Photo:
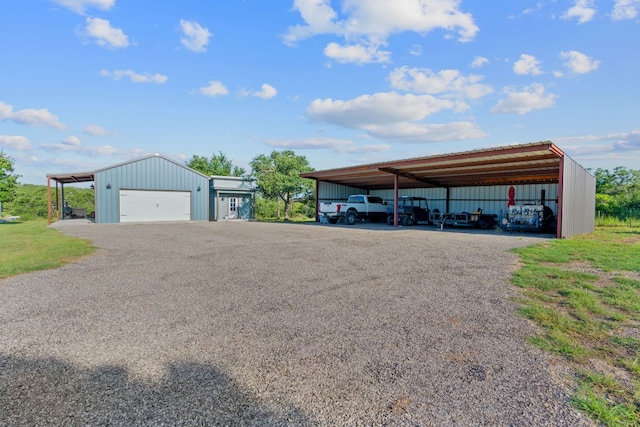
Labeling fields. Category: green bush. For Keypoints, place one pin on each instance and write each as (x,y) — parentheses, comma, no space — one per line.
(30,201)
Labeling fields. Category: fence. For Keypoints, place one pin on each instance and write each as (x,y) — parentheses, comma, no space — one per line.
(630,218)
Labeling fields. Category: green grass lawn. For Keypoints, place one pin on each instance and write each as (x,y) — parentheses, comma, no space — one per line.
(31,246)
(584,294)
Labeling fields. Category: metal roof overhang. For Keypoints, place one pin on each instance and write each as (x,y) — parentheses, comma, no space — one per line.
(516,164)
(72,177)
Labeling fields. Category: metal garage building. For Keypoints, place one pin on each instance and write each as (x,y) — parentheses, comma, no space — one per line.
(155,188)
(539,173)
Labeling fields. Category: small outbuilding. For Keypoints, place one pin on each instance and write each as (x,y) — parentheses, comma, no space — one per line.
(155,188)
(490,180)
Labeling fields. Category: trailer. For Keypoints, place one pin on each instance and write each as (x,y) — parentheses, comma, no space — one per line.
(475,219)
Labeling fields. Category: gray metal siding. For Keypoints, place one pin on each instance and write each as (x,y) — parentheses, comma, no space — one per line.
(436,197)
(491,199)
(330,192)
(578,199)
(232,183)
(219,209)
(152,173)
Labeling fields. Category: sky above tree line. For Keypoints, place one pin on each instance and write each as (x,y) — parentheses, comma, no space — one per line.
(86,84)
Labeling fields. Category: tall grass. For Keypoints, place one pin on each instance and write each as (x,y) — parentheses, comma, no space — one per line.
(629,221)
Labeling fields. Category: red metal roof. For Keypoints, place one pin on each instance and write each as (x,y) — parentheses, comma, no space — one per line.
(515,164)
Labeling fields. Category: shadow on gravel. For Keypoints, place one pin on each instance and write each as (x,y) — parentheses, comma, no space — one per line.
(52,392)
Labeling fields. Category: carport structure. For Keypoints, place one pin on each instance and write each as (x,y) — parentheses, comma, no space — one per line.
(61,180)
(524,164)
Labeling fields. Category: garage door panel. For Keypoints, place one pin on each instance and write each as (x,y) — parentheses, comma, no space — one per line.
(143,205)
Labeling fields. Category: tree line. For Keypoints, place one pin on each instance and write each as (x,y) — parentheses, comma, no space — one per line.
(281,191)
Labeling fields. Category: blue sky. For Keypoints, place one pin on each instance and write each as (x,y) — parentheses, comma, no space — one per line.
(85,84)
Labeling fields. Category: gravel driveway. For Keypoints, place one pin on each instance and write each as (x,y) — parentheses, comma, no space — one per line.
(242,323)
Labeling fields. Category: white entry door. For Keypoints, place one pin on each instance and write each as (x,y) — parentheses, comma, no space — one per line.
(143,205)
(233,207)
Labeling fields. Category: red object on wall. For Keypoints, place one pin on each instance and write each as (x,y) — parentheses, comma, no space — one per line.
(512,196)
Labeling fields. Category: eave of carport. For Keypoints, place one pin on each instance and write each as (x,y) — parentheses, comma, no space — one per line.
(62,179)
(534,163)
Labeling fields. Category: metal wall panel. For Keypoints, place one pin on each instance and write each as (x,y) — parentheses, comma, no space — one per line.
(436,197)
(149,173)
(232,183)
(578,199)
(330,192)
(491,199)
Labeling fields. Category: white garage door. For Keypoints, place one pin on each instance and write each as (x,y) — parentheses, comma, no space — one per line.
(140,205)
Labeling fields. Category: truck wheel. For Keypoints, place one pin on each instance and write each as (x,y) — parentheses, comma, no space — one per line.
(390,220)
(406,220)
(350,218)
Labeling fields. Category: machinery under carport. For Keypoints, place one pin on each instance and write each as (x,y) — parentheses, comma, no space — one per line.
(468,180)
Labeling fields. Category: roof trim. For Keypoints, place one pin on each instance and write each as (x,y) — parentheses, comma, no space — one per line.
(72,178)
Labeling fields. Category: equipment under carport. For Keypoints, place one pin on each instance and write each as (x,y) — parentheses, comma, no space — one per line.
(73,213)
(411,210)
(530,218)
(464,219)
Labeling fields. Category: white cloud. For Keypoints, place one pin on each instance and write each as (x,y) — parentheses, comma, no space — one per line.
(527,64)
(609,150)
(625,9)
(105,34)
(15,142)
(135,77)
(30,117)
(583,10)
(333,144)
(370,22)
(71,141)
(626,141)
(392,116)
(451,83)
(620,142)
(95,130)
(538,7)
(376,109)
(196,37)
(428,132)
(319,19)
(578,62)
(479,61)
(415,50)
(358,53)
(267,92)
(80,6)
(73,145)
(521,102)
(214,88)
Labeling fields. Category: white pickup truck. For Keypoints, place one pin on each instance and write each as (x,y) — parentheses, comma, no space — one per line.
(358,207)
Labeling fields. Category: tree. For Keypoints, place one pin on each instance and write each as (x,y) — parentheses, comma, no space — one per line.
(278,178)
(8,179)
(617,192)
(218,164)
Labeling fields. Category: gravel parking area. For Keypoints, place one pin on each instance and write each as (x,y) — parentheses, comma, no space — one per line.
(243,323)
